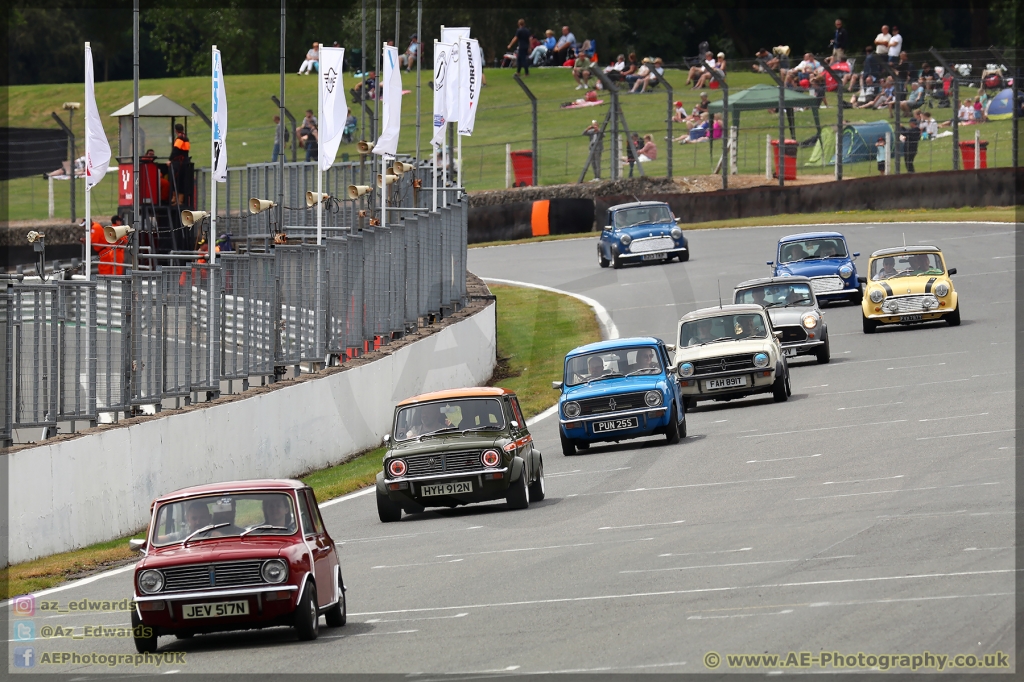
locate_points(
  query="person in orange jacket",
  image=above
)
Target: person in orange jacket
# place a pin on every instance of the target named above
(110, 259)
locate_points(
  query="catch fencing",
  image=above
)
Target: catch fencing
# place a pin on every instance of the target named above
(75, 349)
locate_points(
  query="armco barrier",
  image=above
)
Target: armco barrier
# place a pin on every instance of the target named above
(96, 486)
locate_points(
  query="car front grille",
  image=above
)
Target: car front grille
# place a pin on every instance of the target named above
(827, 284)
(651, 244)
(206, 576)
(443, 463)
(794, 334)
(728, 363)
(913, 303)
(613, 403)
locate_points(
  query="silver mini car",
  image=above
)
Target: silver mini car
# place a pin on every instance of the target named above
(793, 309)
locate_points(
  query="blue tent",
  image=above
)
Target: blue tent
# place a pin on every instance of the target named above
(1001, 106)
(858, 143)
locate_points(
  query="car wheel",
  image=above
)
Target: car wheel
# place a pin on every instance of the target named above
(518, 496)
(682, 427)
(307, 617)
(388, 510)
(601, 260)
(779, 388)
(616, 261)
(684, 256)
(870, 326)
(537, 490)
(337, 615)
(672, 430)
(823, 353)
(144, 645)
(789, 387)
(953, 319)
(568, 447)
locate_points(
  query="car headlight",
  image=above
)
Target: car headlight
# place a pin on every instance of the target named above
(876, 295)
(652, 398)
(571, 409)
(677, 234)
(761, 360)
(809, 321)
(274, 571)
(490, 458)
(625, 239)
(397, 468)
(686, 369)
(941, 289)
(845, 270)
(151, 581)
(783, 273)
(929, 303)
(890, 306)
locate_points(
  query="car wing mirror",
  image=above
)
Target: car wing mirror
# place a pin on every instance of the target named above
(862, 279)
(607, 228)
(137, 544)
(777, 335)
(670, 347)
(952, 271)
(514, 423)
(387, 438)
(769, 263)
(856, 254)
(557, 385)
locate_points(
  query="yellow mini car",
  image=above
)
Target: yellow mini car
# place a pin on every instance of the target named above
(908, 285)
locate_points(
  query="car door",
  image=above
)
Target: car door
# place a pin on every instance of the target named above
(524, 437)
(673, 383)
(313, 532)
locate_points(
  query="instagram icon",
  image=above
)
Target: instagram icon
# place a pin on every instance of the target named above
(24, 605)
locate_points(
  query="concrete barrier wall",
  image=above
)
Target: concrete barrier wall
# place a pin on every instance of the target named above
(98, 486)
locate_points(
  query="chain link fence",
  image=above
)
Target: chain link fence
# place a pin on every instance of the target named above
(77, 351)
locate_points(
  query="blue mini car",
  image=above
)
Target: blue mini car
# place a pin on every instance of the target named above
(619, 390)
(641, 231)
(823, 258)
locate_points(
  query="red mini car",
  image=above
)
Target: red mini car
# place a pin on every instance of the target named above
(236, 556)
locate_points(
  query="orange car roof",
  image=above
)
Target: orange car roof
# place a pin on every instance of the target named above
(454, 393)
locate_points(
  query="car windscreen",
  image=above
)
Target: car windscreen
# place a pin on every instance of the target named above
(447, 416)
(642, 215)
(777, 295)
(617, 362)
(224, 515)
(906, 265)
(722, 328)
(811, 249)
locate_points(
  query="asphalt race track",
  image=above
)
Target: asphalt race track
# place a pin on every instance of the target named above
(872, 513)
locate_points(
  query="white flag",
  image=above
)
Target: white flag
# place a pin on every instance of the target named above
(334, 109)
(451, 36)
(220, 121)
(441, 53)
(391, 96)
(98, 157)
(470, 80)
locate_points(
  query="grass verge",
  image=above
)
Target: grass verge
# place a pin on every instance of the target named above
(46, 572)
(535, 330)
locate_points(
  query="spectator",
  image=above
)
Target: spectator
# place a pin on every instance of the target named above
(910, 136)
(679, 112)
(411, 55)
(703, 104)
(880, 154)
(914, 100)
(697, 71)
(312, 61)
(350, 128)
(966, 112)
(371, 88)
(522, 42)
(979, 111)
(931, 126)
(587, 48)
(308, 121)
(882, 43)
(651, 79)
(782, 54)
(630, 159)
(640, 74)
(308, 137)
(277, 139)
(631, 66)
(593, 131)
(179, 162)
(871, 67)
(838, 43)
(895, 45)
(697, 131)
(614, 71)
(800, 77)
(768, 57)
(540, 53)
(903, 69)
(581, 72)
(649, 152)
(866, 96)
(565, 48)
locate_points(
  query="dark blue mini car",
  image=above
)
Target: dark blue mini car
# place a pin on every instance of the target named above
(641, 231)
(823, 258)
(618, 390)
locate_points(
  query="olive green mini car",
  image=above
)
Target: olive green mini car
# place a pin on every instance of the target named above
(456, 447)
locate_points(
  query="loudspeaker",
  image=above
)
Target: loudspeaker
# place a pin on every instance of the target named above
(115, 232)
(190, 218)
(314, 198)
(390, 179)
(399, 168)
(260, 205)
(364, 147)
(356, 191)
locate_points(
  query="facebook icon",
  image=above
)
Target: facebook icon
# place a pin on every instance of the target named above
(24, 657)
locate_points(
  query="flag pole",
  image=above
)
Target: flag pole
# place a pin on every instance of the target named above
(383, 160)
(319, 152)
(211, 244)
(88, 194)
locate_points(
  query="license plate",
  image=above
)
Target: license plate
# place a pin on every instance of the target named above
(454, 488)
(727, 382)
(652, 256)
(616, 425)
(789, 352)
(217, 610)
(910, 318)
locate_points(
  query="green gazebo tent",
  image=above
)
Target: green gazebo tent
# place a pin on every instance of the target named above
(762, 96)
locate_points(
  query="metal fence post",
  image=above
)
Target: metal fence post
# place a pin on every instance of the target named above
(533, 110)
